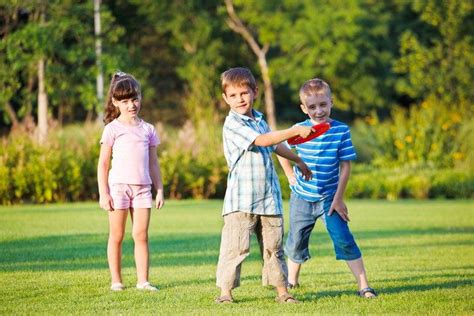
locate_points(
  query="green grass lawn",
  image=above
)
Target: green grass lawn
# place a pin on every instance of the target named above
(419, 256)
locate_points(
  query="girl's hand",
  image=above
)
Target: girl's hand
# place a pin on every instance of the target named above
(160, 200)
(106, 202)
(340, 207)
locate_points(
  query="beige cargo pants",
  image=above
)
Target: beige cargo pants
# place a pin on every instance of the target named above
(235, 247)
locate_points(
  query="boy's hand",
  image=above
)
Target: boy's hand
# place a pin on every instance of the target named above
(106, 202)
(305, 171)
(340, 207)
(160, 200)
(303, 131)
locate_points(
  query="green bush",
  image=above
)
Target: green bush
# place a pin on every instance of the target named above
(63, 169)
(193, 166)
(417, 183)
(429, 134)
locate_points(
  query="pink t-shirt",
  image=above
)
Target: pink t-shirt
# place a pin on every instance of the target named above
(130, 151)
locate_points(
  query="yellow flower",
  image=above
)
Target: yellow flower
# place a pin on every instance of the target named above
(371, 120)
(456, 117)
(445, 126)
(458, 156)
(399, 144)
(409, 139)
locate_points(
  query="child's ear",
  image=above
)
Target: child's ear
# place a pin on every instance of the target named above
(114, 102)
(255, 93)
(303, 108)
(225, 98)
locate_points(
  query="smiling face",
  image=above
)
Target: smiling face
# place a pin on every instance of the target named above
(317, 107)
(128, 108)
(240, 98)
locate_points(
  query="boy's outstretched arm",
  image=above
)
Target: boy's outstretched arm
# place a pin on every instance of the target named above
(276, 137)
(283, 154)
(338, 204)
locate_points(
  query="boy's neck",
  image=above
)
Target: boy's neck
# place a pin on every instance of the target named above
(250, 114)
(329, 120)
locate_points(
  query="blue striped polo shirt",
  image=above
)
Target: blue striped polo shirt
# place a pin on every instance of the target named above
(252, 182)
(322, 155)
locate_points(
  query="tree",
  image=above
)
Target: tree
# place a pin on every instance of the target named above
(437, 60)
(339, 42)
(52, 58)
(260, 50)
(98, 57)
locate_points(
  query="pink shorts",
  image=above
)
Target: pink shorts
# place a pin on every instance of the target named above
(127, 196)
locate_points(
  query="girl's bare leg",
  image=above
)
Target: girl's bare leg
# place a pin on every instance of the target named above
(141, 221)
(117, 222)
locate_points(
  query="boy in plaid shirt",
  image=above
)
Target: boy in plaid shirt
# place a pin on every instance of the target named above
(252, 202)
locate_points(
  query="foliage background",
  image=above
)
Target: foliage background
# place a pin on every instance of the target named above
(401, 73)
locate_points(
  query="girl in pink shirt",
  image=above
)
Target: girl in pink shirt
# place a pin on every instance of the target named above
(127, 185)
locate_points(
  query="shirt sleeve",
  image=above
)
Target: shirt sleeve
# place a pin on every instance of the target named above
(107, 136)
(153, 138)
(240, 135)
(346, 150)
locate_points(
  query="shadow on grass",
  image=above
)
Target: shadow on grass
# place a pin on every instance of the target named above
(312, 296)
(88, 251)
(79, 252)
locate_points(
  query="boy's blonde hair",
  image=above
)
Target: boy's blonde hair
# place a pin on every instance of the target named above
(239, 76)
(312, 87)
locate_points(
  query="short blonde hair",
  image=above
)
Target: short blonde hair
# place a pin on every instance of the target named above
(314, 86)
(239, 76)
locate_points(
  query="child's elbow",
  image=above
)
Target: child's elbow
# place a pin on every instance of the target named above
(262, 141)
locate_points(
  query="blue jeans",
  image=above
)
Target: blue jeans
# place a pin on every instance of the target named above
(303, 216)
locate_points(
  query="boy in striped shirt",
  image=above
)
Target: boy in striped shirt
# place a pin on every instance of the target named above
(328, 156)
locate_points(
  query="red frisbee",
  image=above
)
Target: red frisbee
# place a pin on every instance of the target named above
(319, 129)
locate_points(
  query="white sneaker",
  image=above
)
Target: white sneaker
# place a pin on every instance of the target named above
(146, 286)
(117, 287)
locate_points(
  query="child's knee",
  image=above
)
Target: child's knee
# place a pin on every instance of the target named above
(346, 248)
(140, 236)
(116, 237)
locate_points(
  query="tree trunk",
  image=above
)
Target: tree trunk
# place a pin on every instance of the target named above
(42, 104)
(11, 115)
(236, 24)
(98, 56)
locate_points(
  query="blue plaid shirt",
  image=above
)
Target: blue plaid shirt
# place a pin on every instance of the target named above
(252, 183)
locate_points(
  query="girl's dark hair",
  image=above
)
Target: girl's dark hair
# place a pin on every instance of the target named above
(122, 86)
